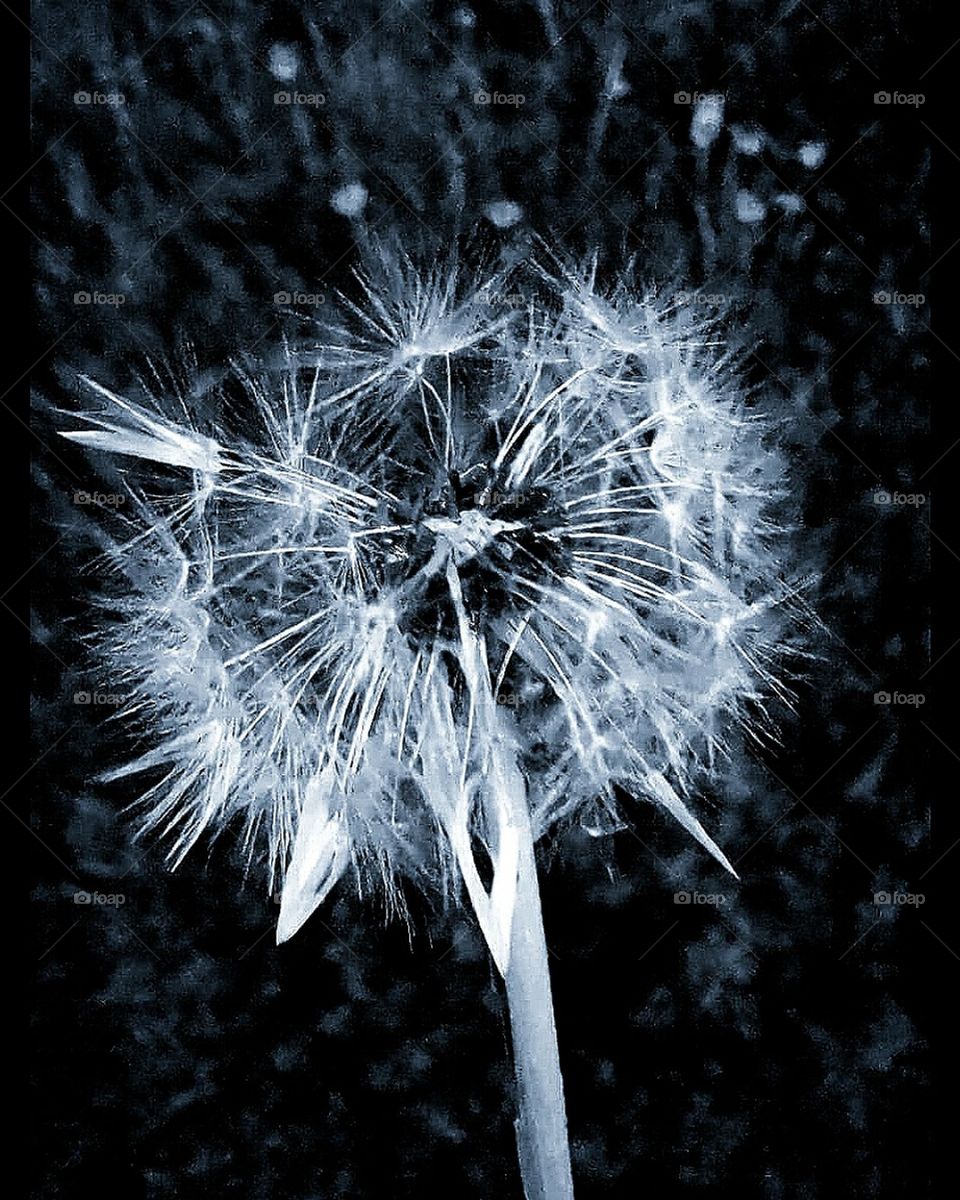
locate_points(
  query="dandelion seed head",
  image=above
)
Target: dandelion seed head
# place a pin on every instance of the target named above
(457, 553)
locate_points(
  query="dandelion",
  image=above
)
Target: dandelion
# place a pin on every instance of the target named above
(350, 562)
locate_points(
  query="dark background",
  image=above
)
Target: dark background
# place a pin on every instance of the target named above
(772, 1048)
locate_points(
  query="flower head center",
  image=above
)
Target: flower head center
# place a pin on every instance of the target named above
(470, 532)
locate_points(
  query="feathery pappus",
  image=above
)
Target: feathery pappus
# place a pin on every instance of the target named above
(446, 574)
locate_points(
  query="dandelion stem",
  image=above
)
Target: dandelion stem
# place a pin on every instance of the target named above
(542, 1120)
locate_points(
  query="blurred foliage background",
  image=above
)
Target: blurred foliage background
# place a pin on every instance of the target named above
(766, 1049)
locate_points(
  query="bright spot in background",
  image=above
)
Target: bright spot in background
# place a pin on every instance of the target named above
(707, 121)
(350, 200)
(618, 87)
(284, 63)
(504, 213)
(790, 202)
(812, 154)
(747, 139)
(750, 208)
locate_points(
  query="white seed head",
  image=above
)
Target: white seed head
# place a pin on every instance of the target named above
(441, 554)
